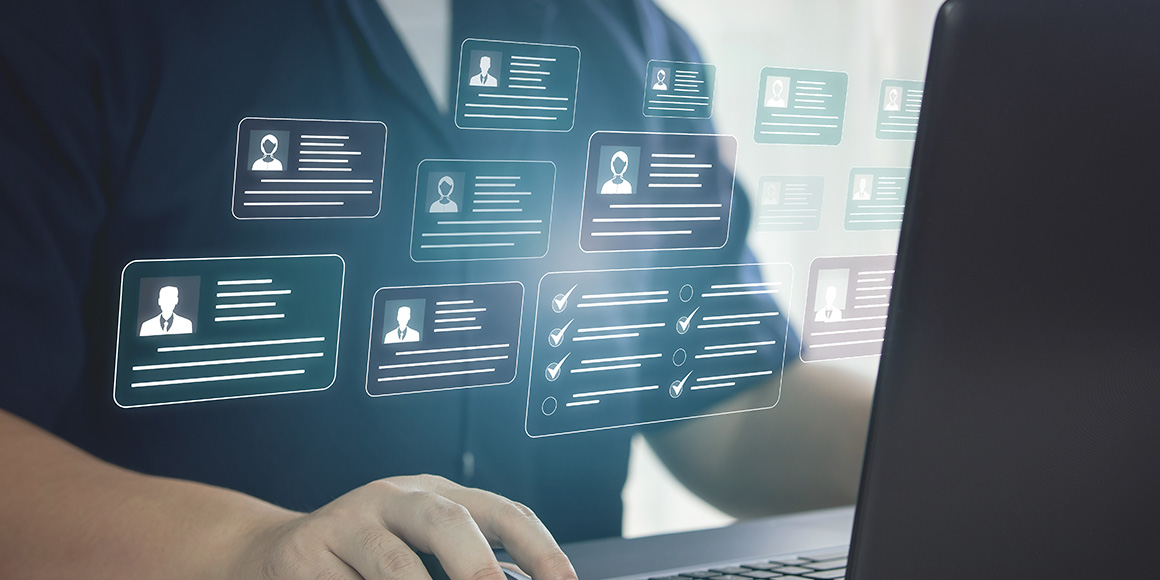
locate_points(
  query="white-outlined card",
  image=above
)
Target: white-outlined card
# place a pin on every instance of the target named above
(451, 336)
(482, 210)
(679, 89)
(308, 168)
(657, 191)
(614, 348)
(846, 304)
(800, 106)
(789, 203)
(516, 86)
(899, 104)
(876, 199)
(218, 328)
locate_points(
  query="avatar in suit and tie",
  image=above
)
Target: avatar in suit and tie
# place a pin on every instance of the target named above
(402, 333)
(168, 322)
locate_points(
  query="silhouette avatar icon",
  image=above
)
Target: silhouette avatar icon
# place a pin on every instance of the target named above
(861, 194)
(660, 85)
(168, 322)
(445, 204)
(267, 162)
(402, 333)
(830, 312)
(776, 95)
(892, 100)
(618, 184)
(483, 79)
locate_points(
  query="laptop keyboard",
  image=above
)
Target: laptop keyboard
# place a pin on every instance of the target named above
(815, 566)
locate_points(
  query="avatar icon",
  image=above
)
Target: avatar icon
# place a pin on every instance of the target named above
(776, 96)
(862, 193)
(830, 312)
(402, 332)
(445, 204)
(168, 322)
(267, 162)
(893, 100)
(483, 79)
(618, 184)
(660, 85)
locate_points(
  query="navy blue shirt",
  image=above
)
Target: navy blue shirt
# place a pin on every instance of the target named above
(117, 131)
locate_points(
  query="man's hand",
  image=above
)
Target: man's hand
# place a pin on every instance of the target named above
(372, 533)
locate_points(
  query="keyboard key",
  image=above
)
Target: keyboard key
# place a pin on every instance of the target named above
(827, 565)
(792, 561)
(730, 577)
(794, 570)
(668, 578)
(827, 575)
(761, 574)
(827, 556)
(730, 570)
(700, 574)
(763, 565)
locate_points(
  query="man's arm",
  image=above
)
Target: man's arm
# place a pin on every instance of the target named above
(805, 453)
(64, 513)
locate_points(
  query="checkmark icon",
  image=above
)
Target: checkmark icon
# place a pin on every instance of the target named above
(678, 387)
(556, 337)
(560, 302)
(554, 369)
(684, 321)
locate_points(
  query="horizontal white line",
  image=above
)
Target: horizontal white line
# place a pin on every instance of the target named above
(745, 285)
(853, 331)
(646, 233)
(532, 107)
(730, 353)
(605, 337)
(672, 109)
(656, 219)
(244, 282)
(444, 362)
(736, 316)
(662, 205)
(458, 328)
(679, 165)
(691, 175)
(872, 297)
(240, 344)
(712, 386)
(432, 375)
(738, 293)
(526, 117)
(461, 311)
(301, 160)
(740, 345)
(302, 152)
(488, 222)
(524, 97)
(325, 169)
(344, 137)
(454, 302)
(674, 155)
(308, 144)
(525, 79)
(736, 376)
(291, 203)
(790, 133)
(833, 117)
(799, 125)
(606, 368)
(478, 177)
(622, 303)
(873, 288)
(539, 58)
(318, 181)
(309, 191)
(245, 305)
(452, 349)
(615, 391)
(248, 317)
(625, 294)
(729, 324)
(492, 245)
(218, 378)
(847, 343)
(582, 403)
(622, 327)
(527, 87)
(861, 318)
(253, 293)
(230, 361)
(450, 320)
(596, 361)
(693, 185)
(454, 234)
(873, 272)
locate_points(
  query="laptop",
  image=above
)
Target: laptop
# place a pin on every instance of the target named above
(1015, 429)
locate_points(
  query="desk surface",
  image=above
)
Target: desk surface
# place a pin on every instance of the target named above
(612, 558)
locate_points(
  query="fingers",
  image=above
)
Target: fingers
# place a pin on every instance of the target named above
(514, 527)
(376, 553)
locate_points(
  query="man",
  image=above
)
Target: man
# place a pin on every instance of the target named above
(402, 332)
(483, 79)
(168, 322)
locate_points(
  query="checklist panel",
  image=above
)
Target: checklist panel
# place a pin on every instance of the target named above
(295, 168)
(482, 210)
(898, 107)
(679, 89)
(876, 198)
(789, 203)
(800, 106)
(846, 304)
(218, 328)
(624, 347)
(657, 191)
(435, 338)
(517, 86)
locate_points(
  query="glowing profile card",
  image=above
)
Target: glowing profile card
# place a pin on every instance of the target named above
(789, 204)
(800, 106)
(679, 89)
(218, 328)
(434, 338)
(846, 303)
(657, 191)
(899, 103)
(614, 348)
(482, 210)
(516, 86)
(876, 198)
(296, 168)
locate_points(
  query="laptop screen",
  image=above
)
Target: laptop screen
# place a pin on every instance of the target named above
(628, 264)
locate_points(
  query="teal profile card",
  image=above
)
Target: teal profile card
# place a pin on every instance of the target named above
(789, 203)
(899, 103)
(482, 210)
(876, 198)
(203, 329)
(679, 89)
(800, 106)
(516, 86)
